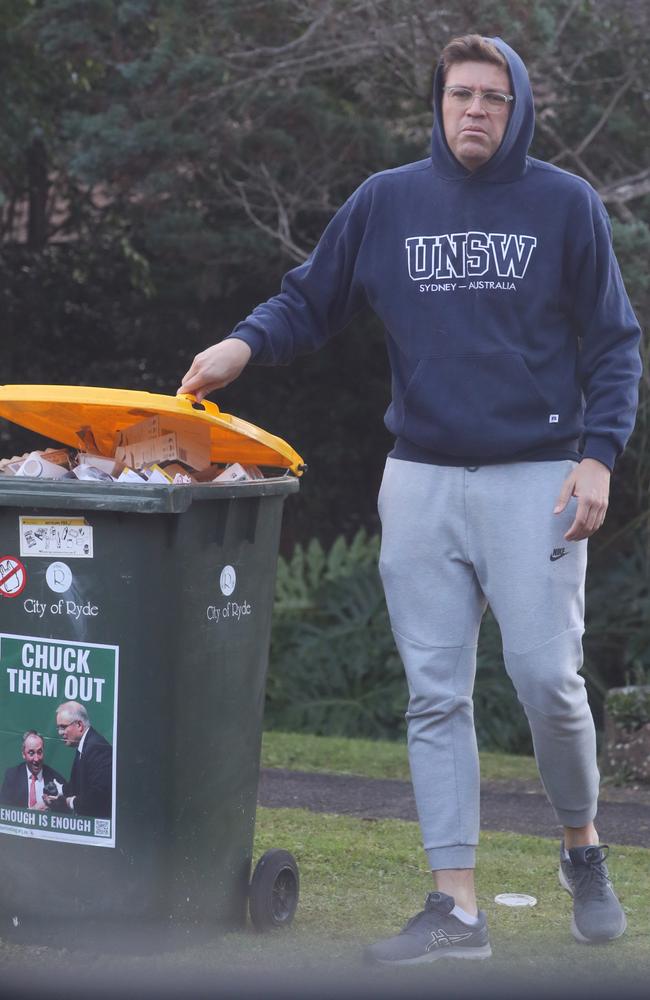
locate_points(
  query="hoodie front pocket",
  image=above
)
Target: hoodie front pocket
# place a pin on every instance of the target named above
(485, 405)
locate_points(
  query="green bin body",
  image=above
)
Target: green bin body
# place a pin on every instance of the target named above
(152, 607)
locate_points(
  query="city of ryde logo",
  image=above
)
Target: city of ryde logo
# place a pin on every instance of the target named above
(464, 260)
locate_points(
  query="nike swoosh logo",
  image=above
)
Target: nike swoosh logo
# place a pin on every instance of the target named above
(555, 558)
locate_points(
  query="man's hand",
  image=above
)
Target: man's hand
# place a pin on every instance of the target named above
(216, 367)
(589, 482)
(56, 803)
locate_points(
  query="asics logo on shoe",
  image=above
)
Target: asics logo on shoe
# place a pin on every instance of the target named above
(440, 939)
(557, 554)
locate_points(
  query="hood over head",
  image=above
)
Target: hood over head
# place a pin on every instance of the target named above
(509, 161)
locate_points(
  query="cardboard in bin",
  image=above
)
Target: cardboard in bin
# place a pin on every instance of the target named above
(59, 412)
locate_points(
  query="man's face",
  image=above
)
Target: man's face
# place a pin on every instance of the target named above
(33, 754)
(474, 135)
(70, 732)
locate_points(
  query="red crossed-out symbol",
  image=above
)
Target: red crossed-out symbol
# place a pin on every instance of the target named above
(13, 576)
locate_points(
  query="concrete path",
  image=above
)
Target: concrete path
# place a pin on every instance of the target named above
(510, 806)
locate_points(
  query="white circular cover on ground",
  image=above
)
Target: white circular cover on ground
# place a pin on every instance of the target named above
(515, 899)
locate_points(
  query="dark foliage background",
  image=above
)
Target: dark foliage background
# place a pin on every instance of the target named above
(163, 162)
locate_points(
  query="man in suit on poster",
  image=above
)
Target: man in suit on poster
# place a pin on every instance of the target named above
(89, 792)
(23, 784)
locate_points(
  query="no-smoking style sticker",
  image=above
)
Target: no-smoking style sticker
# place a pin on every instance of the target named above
(13, 576)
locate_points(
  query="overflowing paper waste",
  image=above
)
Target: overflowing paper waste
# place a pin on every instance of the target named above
(159, 439)
(158, 449)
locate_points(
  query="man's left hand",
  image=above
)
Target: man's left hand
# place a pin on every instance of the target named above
(589, 483)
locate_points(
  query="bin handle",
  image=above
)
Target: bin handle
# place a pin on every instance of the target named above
(205, 405)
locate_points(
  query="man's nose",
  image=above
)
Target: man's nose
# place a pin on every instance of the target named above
(475, 106)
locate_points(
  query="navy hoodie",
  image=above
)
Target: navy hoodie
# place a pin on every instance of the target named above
(509, 331)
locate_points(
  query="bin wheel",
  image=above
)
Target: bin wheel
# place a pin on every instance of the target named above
(273, 892)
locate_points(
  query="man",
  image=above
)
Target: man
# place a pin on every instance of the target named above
(23, 785)
(89, 792)
(515, 367)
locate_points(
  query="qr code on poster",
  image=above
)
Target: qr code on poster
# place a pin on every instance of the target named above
(102, 827)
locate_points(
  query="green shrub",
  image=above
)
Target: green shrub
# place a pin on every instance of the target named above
(629, 706)
(334, 666)
(617, 640)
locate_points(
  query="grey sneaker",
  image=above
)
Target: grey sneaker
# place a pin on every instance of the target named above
(597, 913)
(433, 933)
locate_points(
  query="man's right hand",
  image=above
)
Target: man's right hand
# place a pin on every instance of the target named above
(57, 803)
(215, 367)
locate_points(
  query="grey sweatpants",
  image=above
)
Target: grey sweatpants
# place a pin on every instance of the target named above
(454, 540)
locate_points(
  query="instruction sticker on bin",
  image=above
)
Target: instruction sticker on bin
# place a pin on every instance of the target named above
(56, 536)
(58, 728)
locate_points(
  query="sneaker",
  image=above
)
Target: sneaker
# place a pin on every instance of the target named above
(597, 913)
(433, 933)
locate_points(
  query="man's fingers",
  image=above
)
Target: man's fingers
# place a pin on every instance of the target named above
(189, 373)
(194, 373)
(574, 534)
(197, 386)
(590, 516)
(195, 368)
(565, 494)
(200, 389)
(195, 381)
(190, 383)
(589, 483)
(216, 367)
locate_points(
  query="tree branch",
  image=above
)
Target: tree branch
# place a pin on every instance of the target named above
(568, 14)
(566, 152)
(618, 203)
(627, 83)
(627, 188)
(281, 49)
(282, 233)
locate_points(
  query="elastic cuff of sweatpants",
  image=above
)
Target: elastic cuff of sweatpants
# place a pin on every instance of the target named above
(576, 817)
(455, 856)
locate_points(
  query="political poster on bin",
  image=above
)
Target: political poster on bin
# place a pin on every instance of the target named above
(58, 729)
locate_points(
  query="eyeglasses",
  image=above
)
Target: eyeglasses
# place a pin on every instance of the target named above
(62, 729)
(490, 100)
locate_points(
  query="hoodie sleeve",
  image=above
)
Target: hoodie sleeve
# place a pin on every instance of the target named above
(316, 299)
(609, 363)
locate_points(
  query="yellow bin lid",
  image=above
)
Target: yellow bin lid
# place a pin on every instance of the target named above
(60, 411)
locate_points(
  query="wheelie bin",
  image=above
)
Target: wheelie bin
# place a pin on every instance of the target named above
(149, 605)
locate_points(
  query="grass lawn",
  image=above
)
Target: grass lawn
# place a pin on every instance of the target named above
(372, 758)
(361, 880)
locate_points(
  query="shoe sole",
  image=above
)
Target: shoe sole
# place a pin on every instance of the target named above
(574, 929)
(473, 954)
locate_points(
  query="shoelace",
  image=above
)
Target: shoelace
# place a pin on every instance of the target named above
(414, 920)
(591, 879)
(418, 917)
